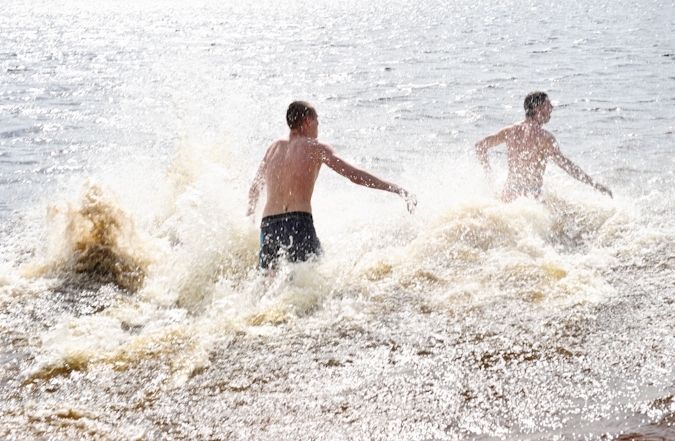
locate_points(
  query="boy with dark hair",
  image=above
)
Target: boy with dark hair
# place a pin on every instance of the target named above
(289, 170)
(529, 147)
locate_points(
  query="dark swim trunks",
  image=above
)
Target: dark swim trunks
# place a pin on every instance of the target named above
(290, 235)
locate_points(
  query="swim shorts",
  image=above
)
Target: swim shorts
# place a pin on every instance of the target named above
(512, 192)
(290, 235)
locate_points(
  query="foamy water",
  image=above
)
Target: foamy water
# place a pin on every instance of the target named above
(131, 306)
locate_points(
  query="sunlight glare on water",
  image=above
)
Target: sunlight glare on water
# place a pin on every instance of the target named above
(130, 301)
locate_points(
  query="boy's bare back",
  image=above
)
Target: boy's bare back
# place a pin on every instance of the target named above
(292, 169)
(528, 150)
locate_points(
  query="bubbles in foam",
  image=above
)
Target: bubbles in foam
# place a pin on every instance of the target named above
(208, 237)
(294, 292)
(481, 251)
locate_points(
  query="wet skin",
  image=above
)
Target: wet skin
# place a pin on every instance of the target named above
(529, 147)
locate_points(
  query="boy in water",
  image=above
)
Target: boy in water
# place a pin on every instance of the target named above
(289, 170)
(529, 147)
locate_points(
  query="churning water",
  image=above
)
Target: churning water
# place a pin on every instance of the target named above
(131, 307)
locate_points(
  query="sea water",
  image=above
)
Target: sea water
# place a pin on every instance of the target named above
(130, 302)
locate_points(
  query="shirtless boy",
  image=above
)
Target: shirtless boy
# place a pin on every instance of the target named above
(289, 170)
(529, 147)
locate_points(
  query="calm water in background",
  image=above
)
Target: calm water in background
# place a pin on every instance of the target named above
(129, 134)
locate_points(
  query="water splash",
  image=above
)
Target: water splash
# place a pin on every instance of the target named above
(93, 242)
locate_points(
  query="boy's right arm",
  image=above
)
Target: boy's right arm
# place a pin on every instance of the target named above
(572, 169)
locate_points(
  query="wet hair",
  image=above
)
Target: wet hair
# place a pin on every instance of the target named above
(532, 100)
(297, 112)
